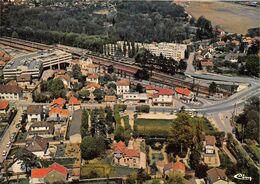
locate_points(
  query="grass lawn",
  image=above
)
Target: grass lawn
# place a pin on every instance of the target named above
(98, 168)
(163, 127)
(154, 127)
(126, 122)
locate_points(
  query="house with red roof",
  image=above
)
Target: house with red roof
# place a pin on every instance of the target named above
(177, 167)
(125, 156)
(74, 104)
(92, 78)
(184, 94)
(59, 102)
(210, 154)
(4, 106)
(57, 112)
(164, 97)
(55, 173)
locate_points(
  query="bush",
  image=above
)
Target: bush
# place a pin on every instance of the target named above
(143, 108)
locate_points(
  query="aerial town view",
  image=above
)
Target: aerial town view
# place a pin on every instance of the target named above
(129, 92)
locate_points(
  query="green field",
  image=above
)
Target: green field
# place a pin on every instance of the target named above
(163, 127)
(154, 127)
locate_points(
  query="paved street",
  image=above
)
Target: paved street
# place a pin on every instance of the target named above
(6, 137)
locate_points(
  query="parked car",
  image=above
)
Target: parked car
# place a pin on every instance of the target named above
(4, 153)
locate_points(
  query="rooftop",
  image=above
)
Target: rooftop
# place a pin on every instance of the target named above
(174, 166)
(3, 104)
(24, 78)
(43, 172)
(210, 140)
(37, 144)
(216, 174)
(10, 89)
(34, 109)
(183, 91)
(123, 82)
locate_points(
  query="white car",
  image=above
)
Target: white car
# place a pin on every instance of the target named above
(4, 153)
(8, 144)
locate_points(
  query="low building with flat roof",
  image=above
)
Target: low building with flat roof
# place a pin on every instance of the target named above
(35, 62)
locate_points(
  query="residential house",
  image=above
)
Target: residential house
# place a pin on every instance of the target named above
(91, 87)
(92, 78)
(59, 102)
(74, 128)
(135, 97)
(177, 167)
(122, 86)
(42, 128)
(184, 94)
(151, 90)
(34, 113)
(4, 106)
(88, 65)
(210, 155)
(74, 104)
(125, 156)
(206, 64)
(24, 81)
(38, 146)
(164, 97)
(64, 77)
(217, 176)
(59, 113)
(10, 92)
(55, 173)
(110, 99)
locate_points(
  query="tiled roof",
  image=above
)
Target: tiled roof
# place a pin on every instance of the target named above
(216, 174)
(206, 63)
(74, 101)
(93, 84)
(110, 98)
(37, 144)
(123, 82)
(183, 91)
(131, 153)
(93, 76)
(174, 166)
(58, 101)
(120, 146)
(210, 140)
(152, 88)
(61, 112)
(165, 91)
(34, 109)
(10, 89)
(43, 172)
(3, 104)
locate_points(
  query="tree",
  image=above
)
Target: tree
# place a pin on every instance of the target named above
(84, 94)
(201, 170)
(15, 34)
(84, 123)
(110, 69)
(92, 147)
(182, 133)
(56, 87)
(142, 176)
(182, 65)
(175, 178)
(76, 73)
(109, 119)
(99, 94)
(212, 88)
(143, 108)
(142, 74)
(139, 88)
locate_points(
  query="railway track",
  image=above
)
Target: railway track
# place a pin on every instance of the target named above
(119, 66)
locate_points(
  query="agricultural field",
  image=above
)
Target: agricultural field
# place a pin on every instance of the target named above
(231, 17)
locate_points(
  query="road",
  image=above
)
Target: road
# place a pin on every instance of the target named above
(6, 137)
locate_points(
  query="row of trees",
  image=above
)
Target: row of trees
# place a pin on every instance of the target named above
(94, 133)
(150, 62)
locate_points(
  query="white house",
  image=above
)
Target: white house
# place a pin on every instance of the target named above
(38, 146)
(74, 104)
(135, 97)
(92, 78)
(122, 86)
(43, 129)
(34, 113)
(10, 92)
(164, 97)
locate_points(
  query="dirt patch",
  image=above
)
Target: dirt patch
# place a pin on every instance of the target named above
(229, 16)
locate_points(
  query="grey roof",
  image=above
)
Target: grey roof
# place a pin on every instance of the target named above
(216, 174)
(34, 109)
(75, 123)
(37, 144)
(10, 89)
